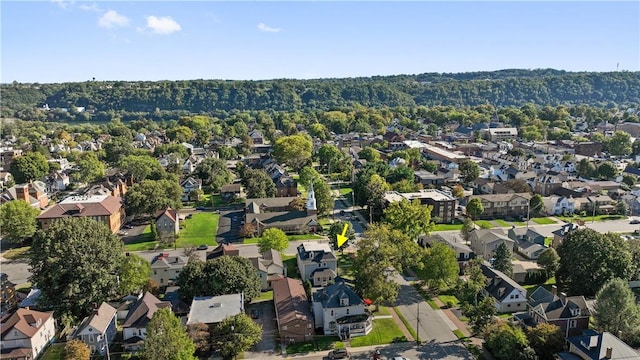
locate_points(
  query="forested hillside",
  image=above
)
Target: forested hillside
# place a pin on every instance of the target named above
(498, 88)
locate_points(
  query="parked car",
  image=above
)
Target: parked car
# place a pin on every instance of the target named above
(202, 247)
(339, 354)
(634, 221)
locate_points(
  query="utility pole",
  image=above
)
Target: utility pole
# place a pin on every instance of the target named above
(106, 343)
(418, 325)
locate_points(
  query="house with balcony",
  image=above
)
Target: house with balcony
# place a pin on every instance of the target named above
(570, 313)
(316, 262)
(98, 329)
(338, 310)
(25, 334)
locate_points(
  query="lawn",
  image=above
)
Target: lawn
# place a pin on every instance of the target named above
(591, 218)
(54, 352)
(345, 266)
(543, 221)
(382, 310)
(345, 191)
(255, 240)
(449, 298)
(384, 331)
(446, 227)
(200, 229)
(484, 224)
(321, 343)
(17, 253)
(502, 223)
(142, 242)
(264, 296)
(292, 266)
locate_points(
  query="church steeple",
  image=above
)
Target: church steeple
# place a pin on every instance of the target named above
(311, 200)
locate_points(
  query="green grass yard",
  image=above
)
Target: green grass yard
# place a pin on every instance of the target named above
(17, 253)
(255, 240)
(543, 221)
(384, 331)
(321, 343)
(54, 352)
(591, 218)
(142, 242)
(446, 227)
(449, 298)
(502, 223)
(484, 224)
(200, 229)
(382, 310)
(264, 296)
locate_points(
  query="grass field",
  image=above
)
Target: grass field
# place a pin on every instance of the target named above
(502, 223)
(143, 242)
(484, 224)
(54, 352)
(543, 221)
(17, 253)
(382, 310)
(345, 266)
(384, 331)
(292, 266)
(321, 343)
(591, 218)
(200, 229)
(264, 296)
(446, 227)
(254, 240)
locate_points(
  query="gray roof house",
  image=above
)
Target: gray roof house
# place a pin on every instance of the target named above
(98, 329)
(507, 294)
(269, 267)
(340, 311)
(485, 241)
(314, 256)
(213, 309)
(598, 346)
(134, 327)
(529, 242)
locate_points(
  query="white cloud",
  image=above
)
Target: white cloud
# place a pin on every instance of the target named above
(62, 3)
(263, 27)
(93, 7)
(162, 25)
(111, 19)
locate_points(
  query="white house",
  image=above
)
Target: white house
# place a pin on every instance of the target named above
(559, 205)
(26, 334)
(134, 327)
(508, 295)
(316, 257)
(338, 310)
(188, 185)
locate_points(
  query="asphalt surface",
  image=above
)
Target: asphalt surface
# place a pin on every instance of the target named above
(228, 226)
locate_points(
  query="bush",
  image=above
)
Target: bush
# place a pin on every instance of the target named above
(537, 277)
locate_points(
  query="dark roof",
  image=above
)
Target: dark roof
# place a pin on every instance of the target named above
(330, 296)
(283, 218)
(595, 346)
(290, 301)
(499, 285)
(555, 307)
(142, 311)
(314, 256)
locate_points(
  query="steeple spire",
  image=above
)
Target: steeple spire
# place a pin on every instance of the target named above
(311, 200)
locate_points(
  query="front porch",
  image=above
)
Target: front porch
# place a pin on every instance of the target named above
(354, 325)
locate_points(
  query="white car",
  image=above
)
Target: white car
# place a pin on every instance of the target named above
(400, 358)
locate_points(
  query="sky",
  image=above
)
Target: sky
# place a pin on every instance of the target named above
(63, 41)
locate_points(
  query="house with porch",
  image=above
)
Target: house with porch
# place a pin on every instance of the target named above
(338, 310)
(98, 329)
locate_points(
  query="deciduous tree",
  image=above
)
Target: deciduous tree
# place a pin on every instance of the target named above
(324, 200)
(214, 173)
(616, 310)
(76, 349)
(411, 218)
(150, 196)
(236, 334)
(620, 144)
(90, 168)
(31, 166)
(502, 259)
(336, 228)
(141, 167)
(167, 338)
(134, 273)
(440, 265)
(469, 171)
(589, 259)
(508, 342)
(258, 184)
(475, 208)
(273, 238)
(467, 227)
(293, 150)
(607, 171)
(546, 340)
(536, 205)
(18, 221)
(75, 264)
(199, 334)
(549, 261)
(479, 315)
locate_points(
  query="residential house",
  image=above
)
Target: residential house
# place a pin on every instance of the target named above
(190, 185)
(6, 157)
(178, 307)
(546, 184)
(587, 148)
(98, 329)
(223, 250)
(106, 209)
(5, 179)
(190, 164)
(484, 242)
(338, 310)
(293, 311)
(270, 268)
(26, 333)
(443, 203)
(559, 205)
(312, 259)
(508, 296)
(212, 310)
(134, 326)
(256, 136)
(165, 268)
(504, 205)
(231, 192)
(34, 193)
(8, 299)
(167, 223)
(592, 345)
(571, 314)
(528, 242)
(56, 181)
(454, 240)
(427, 178)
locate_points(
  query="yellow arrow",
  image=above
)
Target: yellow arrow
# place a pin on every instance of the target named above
(341, 237)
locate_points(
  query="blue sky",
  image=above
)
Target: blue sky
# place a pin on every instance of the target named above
(59, 41)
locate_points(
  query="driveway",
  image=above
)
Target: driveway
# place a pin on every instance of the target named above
(267, 319)
(228, 226)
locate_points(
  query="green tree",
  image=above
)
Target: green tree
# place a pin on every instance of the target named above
(258, 184)
(536, 204)
(469, 171)
(629, 180)
(235, 335)
(293, 150)
(480, 315)
(118, 148)
(381, 252)
(329, 158)
(586, 169)
(133, 274)
(75, 264)
(220, 276)
(508, 342)
(167, 338)
(369, 154)
(324, 200)
(616, 310)
(546, 340)
(502, 259)
(589, 259)
(274, 239)
(467, 227)
(180, 134)
(31, 166)
(141, 167)
(468, 291)
(411, 218)
(306, 174)
(458, 191)
(440, 265)
(375, 191)
(18, 221)
(475, 208)
(607, 171)
(336, 228)
(90, 169)
(620, 144)
(214, 173)
(549, 261)
(76, 349)
(622, 208)
(150, 196)
(634, 247)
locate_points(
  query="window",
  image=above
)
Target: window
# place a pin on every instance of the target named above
(517, 296)
(508, 305)
(308, 326)
(331, 312)
(347, 311)
(511, 297)
(573, 324)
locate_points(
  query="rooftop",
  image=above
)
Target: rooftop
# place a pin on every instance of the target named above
(214, 309)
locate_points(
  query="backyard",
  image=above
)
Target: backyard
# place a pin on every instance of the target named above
(54, 352)
(199, 230)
